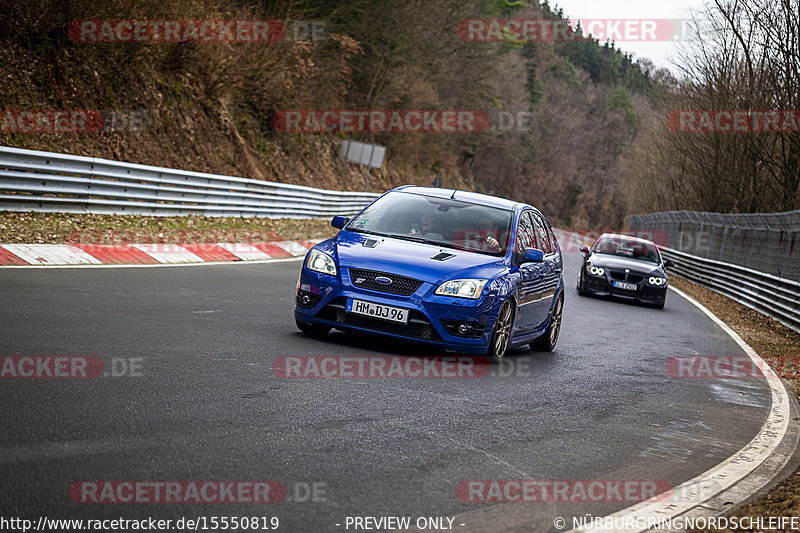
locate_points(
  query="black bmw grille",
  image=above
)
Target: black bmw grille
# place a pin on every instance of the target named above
(365, 279)
(621, 276)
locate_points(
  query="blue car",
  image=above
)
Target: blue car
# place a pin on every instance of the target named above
(467, 272)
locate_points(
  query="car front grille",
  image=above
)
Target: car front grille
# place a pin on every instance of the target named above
(418, 326)
(620, 275)
(400, 285)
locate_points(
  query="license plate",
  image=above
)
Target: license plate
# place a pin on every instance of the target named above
(625, 286)
(386, 312)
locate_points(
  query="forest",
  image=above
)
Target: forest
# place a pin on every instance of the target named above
(579, 128)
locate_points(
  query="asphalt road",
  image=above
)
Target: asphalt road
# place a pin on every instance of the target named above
(205, 404)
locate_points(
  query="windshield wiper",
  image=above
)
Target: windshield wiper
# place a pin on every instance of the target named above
(450, 245)
(367, 232)
(417, 239)
(398, 236)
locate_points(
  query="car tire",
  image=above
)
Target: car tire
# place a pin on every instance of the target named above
(663, 303)
(581, 292)
(318, 330)
(501, 335)
(547, 341)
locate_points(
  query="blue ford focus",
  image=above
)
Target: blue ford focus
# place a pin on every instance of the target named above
(468, 272)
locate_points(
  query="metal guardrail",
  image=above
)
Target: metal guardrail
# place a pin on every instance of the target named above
(778, 298)
(31, 180)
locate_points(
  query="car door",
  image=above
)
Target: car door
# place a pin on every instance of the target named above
(551, 268)
(532, 280)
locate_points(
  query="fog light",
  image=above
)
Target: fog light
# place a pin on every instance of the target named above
(305, 299)
(463, 329)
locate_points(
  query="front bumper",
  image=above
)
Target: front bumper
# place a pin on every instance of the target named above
(644, 293)
(433, 319)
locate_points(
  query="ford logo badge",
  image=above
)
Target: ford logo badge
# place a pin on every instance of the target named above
(383, 280)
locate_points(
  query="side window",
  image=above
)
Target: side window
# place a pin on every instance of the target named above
(553, 241)
(542, 236)
(526, 235)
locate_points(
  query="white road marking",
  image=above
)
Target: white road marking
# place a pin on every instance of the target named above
(159, 265)
(245, 252)
(700, 489)
(169, 253)
(293, 247)
(51, 254)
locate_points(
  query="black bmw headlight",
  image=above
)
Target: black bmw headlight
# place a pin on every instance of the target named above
(595, 271)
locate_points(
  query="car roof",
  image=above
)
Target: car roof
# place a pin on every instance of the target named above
(622, 236)
(464, 196)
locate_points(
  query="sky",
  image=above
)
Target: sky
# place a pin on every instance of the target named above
(663, 53)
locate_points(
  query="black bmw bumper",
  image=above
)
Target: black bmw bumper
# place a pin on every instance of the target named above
(644, 292)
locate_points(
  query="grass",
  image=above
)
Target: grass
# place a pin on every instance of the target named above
(62, 228)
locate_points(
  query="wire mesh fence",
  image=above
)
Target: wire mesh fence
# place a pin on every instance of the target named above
(765, 242)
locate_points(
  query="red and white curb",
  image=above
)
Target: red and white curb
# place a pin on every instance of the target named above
(144, 254)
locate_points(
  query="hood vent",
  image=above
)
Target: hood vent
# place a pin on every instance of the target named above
(443, 256)
(370, 243)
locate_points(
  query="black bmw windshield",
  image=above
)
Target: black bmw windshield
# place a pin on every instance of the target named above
(440, 221)
(627, 248)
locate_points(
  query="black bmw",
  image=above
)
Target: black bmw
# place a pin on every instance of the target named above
(624, 267)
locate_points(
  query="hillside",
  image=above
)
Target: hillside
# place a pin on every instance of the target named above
(210, 106)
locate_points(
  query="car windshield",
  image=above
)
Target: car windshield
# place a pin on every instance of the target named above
(441, 221)
(628, 248)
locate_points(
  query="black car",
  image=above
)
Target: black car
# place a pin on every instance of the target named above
(624, 267)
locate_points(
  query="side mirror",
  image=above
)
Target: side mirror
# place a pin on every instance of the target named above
(584, 249)
(534, 255)
(668, 263)
(339, 221)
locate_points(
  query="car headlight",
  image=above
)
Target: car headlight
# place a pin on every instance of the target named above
(596, 271)
(657, 280)
(321, 262)
(462, 288)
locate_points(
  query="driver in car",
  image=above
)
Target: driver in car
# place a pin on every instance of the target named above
(488, 235)
(424, 227)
